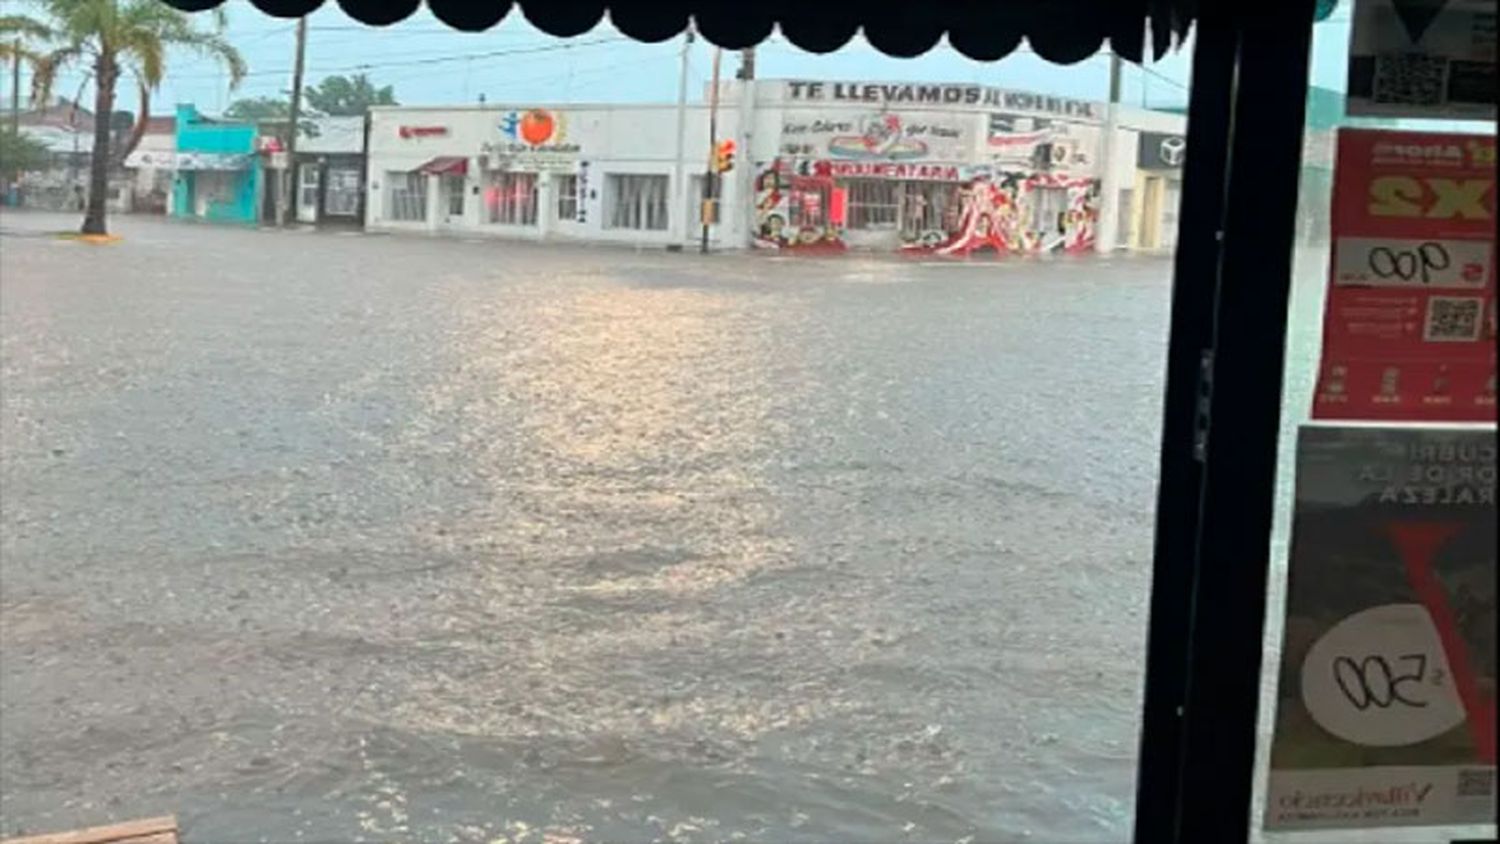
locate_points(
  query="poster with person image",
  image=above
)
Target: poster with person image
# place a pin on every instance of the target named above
(1385, 710)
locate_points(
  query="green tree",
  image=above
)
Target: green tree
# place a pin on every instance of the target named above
(259, 108)
(347, 95)
(19, 153)
(18, 37)
(112, 37)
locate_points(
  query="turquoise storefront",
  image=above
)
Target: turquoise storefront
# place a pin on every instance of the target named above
(219, 174)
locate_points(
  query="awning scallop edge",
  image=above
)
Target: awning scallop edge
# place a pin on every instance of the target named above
(1061, 31)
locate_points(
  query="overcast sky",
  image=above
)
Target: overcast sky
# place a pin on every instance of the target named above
(514, 63)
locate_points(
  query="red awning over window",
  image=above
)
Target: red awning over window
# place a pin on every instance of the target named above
(445, 165)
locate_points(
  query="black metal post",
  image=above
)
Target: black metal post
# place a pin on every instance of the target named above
(1206, 795)
(1180, 472)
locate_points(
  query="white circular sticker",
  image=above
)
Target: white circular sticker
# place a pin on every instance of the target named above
(1380, 678)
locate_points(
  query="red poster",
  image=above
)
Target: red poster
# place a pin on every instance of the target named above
(1409, 327)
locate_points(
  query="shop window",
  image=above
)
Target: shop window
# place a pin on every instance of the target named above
(407, 196)
(567, 197)
(342, 196)
(873, 203)
(635, 201)
(215, 187)
(510, 199)
(453, 189)
(1048, 205)
(928, 207)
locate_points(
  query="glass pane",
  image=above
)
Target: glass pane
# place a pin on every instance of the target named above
(838, 532)
(1353, 592)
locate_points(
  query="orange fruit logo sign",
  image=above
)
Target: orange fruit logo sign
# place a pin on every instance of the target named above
(537, 126)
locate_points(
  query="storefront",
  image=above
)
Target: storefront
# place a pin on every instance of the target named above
(597, 173)
(951, 169)
(329, 184)
(1156, 192)
(944, 168)
(218, 173)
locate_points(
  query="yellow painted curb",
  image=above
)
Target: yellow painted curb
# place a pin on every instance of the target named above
(96, 239)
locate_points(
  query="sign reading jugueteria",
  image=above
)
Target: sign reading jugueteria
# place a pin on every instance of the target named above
(1385, 711)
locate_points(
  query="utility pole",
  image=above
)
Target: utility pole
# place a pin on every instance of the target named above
(713, 142)
(679, 169)
(747, 65)
(741, 221)
(289, 175)
(15, 88)
(1109, 188)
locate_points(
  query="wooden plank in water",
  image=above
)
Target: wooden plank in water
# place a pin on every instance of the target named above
(146, 831)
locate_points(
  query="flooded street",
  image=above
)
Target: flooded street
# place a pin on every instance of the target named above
(322, 537)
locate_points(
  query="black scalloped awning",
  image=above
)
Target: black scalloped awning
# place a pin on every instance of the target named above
(1062, 31)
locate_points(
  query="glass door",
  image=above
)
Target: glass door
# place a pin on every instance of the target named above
(308, 179)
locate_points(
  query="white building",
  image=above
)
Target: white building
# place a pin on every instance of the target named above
(151, 165)
(820, 165)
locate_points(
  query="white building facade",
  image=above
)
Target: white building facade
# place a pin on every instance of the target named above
(950, 169)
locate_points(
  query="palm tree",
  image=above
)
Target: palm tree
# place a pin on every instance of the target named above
(112, 37)
(17, 32)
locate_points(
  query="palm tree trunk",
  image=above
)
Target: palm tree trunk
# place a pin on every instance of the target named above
(104, 108)
(137, 131)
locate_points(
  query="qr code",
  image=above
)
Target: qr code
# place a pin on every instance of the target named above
(1410, 79)
(1479, 782)
(1453, 319)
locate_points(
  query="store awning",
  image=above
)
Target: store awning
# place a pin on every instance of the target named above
(445, 165)
(1062, 31)
(166, 160)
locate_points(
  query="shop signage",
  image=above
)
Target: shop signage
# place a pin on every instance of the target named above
(891, 170)
(1039, 143)
(534, 139)
(190, 160)
(1015, 138)
(1423, 58)
(1159, 151)
(1409, 325)
(904, 93)
(1385, 711)
(879, 136)
(422, 131)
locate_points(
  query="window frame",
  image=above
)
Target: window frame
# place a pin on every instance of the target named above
(637, 202)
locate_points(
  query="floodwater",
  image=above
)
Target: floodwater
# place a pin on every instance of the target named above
(321, 537)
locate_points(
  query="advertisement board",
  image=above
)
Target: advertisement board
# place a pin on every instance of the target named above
(1421, 58)
(1385, 710)
(876, 136)
(1409, 324)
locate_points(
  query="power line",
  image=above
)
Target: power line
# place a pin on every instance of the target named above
(1163, 77)
(489, 54)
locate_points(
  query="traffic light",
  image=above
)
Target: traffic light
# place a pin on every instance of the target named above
(724, 156)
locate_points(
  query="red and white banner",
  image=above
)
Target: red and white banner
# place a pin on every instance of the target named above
(1409, 326)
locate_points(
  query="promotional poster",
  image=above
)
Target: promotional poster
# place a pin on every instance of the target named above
(1420, 58)
(1385, 711)
(1409, 324)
